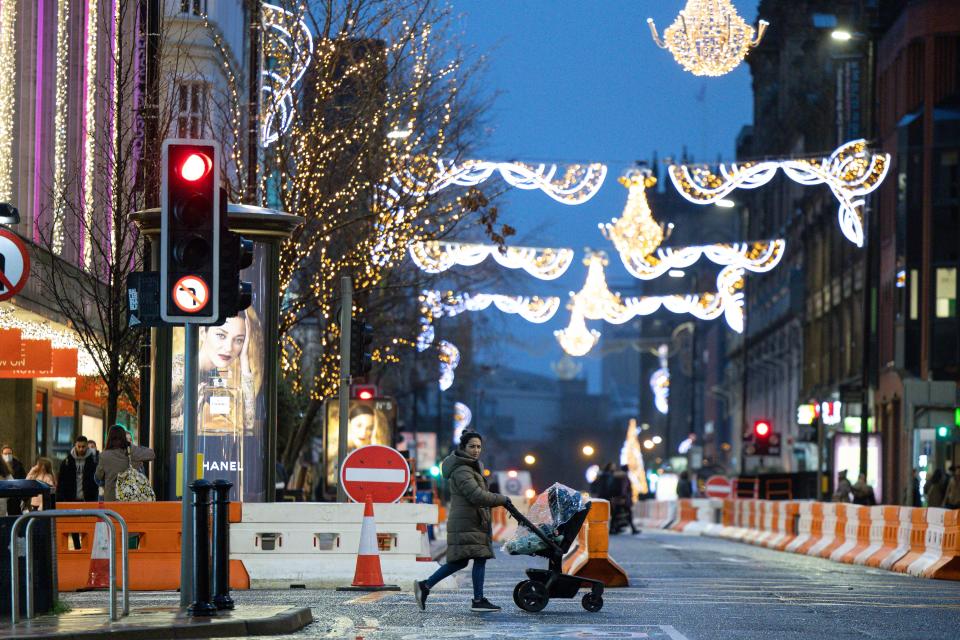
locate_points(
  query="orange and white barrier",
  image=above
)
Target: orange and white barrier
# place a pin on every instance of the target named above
(504, 527)
(590, 557)
(655, 514)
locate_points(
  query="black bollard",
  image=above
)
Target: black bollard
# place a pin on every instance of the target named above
(201, 550)
(221, 544)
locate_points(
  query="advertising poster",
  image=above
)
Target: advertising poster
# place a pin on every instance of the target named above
(231, 406)
(370, 422)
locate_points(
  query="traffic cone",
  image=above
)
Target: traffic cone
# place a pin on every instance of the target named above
(368, 576)
(425, 555)
(99, 575)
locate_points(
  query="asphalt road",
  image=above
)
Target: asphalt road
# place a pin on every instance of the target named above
(682, 587)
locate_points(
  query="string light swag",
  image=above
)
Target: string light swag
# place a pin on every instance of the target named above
(660, 382)
(852, 172)
(290, 43)
(544, 264)
(635, 234)
(576, 185)
(757, 257)
(576, 340)
(434, 304)
(708, 38)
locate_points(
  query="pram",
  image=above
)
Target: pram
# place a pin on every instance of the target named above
(534, 593)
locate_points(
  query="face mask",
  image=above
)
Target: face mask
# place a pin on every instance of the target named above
(8, 457)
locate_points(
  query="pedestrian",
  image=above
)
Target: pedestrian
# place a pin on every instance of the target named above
(911, 493)
(684, 488)
(6, 473)
(626, 498)
(863, 492)
(469, 523)
(935, 489)
(42, 471)
(96, 454)
(844, 489)
(951, 499)
(118, 456)
(75, 479)
(19, 471)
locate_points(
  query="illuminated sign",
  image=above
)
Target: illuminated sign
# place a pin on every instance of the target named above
(806, 413)
(830, 412)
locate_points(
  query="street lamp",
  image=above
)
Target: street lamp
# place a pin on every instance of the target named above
(657, 439)
(841, 35)
(648, 444)
(587, 450)
(530, 459)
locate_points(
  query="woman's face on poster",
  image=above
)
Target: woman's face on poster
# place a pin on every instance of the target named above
(223, 344)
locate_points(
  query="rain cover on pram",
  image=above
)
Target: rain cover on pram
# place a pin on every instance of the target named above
(551, 509)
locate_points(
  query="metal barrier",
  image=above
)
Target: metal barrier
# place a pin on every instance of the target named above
(102, 514)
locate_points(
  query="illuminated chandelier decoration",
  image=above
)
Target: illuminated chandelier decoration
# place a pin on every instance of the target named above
(660, 382)
(758, 257)
(852, 172)
(291, 41)
(709, 38)
(576, 340)
(449, 361)
(635, 234)
(433, 305)
(544, 264)
(577, 184)
(595, 301)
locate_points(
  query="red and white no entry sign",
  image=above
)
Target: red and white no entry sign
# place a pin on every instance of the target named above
(190, 294)
(375, 470)
(14, 264)
(718, 487)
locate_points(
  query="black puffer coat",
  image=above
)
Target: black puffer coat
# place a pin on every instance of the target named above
(469, 527)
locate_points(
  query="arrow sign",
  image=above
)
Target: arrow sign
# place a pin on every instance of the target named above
(375, 470)
(190, 294)
(14, 264)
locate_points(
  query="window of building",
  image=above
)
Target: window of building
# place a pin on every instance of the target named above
(946, 292)
(191, 106)
(914, 293)
(193, 7)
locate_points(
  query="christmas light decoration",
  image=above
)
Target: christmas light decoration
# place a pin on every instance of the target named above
(461, 416)
(577, 185)
(434, 304)
(449, 361)
(660, 382)
(544, 264)
(595, 301)
(635, 233)
(282, 30)
(13, 318)
(89, 128)
(61, 114)
(708, 38)
(851, 171)
(8, 76)
(576, 340)
(758, 257)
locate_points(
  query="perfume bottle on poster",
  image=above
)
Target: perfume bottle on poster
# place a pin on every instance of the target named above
(221, 406)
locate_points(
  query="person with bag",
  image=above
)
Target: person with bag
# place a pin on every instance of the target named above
(42, 471)
(120, 469)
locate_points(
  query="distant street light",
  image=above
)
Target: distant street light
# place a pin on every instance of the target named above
(657, 439)
(648, 444)
(529, 458)
(842, 35)
(587, 450)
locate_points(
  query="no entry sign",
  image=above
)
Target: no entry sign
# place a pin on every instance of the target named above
(14, 264)
(717, 487)
(375, 470)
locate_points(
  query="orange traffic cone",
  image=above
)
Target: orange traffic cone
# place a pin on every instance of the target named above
(425, 555)
(368, 576)
(99, 576)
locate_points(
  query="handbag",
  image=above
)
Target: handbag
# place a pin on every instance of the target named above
(133, 486)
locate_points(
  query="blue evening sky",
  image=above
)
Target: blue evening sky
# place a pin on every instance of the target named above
(584, 81)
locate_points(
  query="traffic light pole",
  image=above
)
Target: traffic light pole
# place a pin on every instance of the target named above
(189, 465)
(346, 315)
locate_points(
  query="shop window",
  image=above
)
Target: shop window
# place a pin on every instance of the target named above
(63, 427)
(914, 293)
(946, 293)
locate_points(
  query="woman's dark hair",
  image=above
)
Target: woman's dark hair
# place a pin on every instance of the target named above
(116, 438)
(467, 437)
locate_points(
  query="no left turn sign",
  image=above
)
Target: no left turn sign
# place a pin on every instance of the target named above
(191, 294)
(14, 264)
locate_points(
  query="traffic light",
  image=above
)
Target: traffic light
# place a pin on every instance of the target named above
(236, 254)
(190, 231)
(361, 338)
(364, 391)
(765, 441)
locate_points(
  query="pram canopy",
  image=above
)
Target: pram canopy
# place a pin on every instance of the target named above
(549, 512)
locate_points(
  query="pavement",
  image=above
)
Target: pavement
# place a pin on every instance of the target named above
(682, 588)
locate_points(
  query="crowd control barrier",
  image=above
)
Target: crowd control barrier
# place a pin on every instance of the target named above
(153, 542)
(923, 542)
(589, 557)
(314, 545)
(655, 514)
(504, 527)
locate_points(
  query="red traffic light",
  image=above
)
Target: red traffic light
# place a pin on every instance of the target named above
(761, 428)
(365, 394)
(195, 166)
(364, 391)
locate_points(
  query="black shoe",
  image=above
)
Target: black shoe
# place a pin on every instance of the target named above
(420, 592)
(483, 605)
